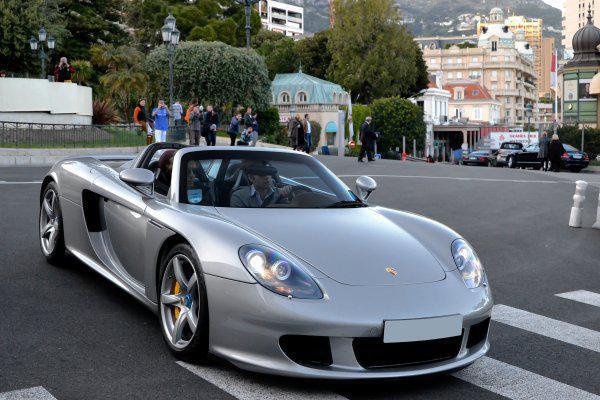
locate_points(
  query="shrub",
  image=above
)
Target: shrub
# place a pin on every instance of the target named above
(268, 121)
(395, 117)
(315, 134)
(104, 113)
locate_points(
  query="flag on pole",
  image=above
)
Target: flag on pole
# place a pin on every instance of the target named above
(553, 80)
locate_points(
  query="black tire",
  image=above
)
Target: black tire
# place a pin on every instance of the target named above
(510, 162)
(197, 348)
(56, 255)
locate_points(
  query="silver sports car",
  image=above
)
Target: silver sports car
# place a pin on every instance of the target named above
(265, 258)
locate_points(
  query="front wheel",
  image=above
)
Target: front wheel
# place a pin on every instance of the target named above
(52, 240)
(511, 163)
(183, 304)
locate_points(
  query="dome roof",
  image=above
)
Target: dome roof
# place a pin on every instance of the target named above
(587, 38)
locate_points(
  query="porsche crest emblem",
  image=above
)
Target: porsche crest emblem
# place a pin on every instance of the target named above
(392, 271)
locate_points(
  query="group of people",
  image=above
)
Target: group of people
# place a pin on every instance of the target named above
(197, 121)
(300, 133)
(550, 153)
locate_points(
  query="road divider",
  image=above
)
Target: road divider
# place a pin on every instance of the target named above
(578, 200)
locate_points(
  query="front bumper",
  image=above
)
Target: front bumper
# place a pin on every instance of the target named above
(248, 321)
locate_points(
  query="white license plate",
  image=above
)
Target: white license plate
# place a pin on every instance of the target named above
(472, 158)
(577, 156)
(413, 330)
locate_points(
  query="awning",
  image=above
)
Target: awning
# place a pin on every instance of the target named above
(331, 127)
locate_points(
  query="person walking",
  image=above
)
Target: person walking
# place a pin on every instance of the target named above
(301, 139)
(161, 116)
(367, 136)
(211, 123)
(139, 118)
(234, 128)
(63, 71)
(543, 151)
(307, 133)
(555, 152)
(195, 126)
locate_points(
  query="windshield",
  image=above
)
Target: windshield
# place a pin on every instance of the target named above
(532, 148)
(261, 179)
(511, 146)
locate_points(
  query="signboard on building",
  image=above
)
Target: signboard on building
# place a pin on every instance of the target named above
(497, 138)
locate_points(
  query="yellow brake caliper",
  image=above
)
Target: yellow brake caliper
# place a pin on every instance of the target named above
(176, 290)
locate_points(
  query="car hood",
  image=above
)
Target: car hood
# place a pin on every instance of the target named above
(355, 246)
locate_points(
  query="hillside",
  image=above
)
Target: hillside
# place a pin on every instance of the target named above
(444, 17)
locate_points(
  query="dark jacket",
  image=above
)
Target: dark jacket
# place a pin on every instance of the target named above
(196, 120)
(210, 118)
(234, 126)
(248, 120)
(555, 150)
(367, 134)
(543, 152)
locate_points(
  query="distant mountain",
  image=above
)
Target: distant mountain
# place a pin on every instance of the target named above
(444, 17)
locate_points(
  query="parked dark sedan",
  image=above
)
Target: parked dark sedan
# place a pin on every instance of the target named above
(481, 158)
(573, 160)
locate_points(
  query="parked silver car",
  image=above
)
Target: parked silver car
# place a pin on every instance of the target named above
(265, 258)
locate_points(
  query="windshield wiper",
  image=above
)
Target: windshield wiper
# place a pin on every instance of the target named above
(347, 204)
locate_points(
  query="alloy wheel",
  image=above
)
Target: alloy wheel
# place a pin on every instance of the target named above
(49, 222)
(180, 301)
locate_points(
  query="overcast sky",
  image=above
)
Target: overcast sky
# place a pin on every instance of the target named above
(555, 3)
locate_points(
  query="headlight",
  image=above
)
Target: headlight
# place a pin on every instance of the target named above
(277, 273)
(468, 264)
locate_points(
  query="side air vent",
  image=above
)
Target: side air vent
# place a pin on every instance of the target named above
(91, 210)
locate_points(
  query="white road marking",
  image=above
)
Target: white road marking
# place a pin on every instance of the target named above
(518, 384)
(454, 178)
(34, 393)
(552, 328)
(20, 183)
(244, 388)
(582, 296)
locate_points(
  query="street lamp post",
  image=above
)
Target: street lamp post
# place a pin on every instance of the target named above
(529, 112)
(248, 5)
(170, 37)
(38, 45)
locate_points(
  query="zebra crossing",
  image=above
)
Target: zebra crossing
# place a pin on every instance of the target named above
(496, 376)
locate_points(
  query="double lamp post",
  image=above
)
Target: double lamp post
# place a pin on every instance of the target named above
(38, 45)
(170, 37)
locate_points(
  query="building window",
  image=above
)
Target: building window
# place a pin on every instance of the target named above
(494, 74)
(507, 113)
(476, 92)
(494, 59)
(477, 113)
(459, 75)
(450, 75)
(507, 74)
(494, 46)
(474, 59)
(507, 58)
(284, 97)
(303, 97)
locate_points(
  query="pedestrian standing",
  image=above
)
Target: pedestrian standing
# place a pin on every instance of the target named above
(367, 137)
(248, 119)
(543, 151)
(177, 113)
(300, 133)
(555, 152)
(211, 123)
(195, 126)
(293, 133)
(234, 128)
(307, 133)
(161, 116)
(140, 117)
(254, 130)
(63, 71)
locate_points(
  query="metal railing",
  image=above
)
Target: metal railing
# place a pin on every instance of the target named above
(36, 135)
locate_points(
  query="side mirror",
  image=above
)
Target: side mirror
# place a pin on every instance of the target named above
(365, 185)
(141, 179)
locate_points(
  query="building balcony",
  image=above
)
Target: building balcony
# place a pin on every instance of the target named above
(295, 19)
(507, 92)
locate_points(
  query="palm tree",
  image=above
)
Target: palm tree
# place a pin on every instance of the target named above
(124, 80)
(83, 71)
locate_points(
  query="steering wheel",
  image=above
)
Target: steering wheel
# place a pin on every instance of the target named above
(297, 190)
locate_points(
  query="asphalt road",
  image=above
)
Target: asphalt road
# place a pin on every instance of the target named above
(66, 333)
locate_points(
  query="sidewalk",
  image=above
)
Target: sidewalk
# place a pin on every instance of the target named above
(47, 157)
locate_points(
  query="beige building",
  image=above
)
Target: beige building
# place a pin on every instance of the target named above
(471, 101)
(574, 14)
(544, 82)
(501, 63)
(532, 31)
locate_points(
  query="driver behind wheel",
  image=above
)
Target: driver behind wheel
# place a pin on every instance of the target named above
(261, 192)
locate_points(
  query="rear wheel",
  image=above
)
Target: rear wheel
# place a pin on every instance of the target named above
(183, 304)
(52, 240)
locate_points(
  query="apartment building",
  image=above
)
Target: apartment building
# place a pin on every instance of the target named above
(500, 63)
(470, 100)
(574, 14)
(282, 17)
(531, 29)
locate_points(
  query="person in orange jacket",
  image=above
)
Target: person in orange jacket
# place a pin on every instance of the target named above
(139, 117)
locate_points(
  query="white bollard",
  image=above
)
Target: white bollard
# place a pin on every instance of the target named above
(597, 224)
(578, 200)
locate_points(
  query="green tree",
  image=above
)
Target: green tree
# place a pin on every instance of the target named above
(84, 72)
(372, 53)
(212, 72)
(124, 80)
(280, 52)
(314, 54)
(19, 20)
(396, 117)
